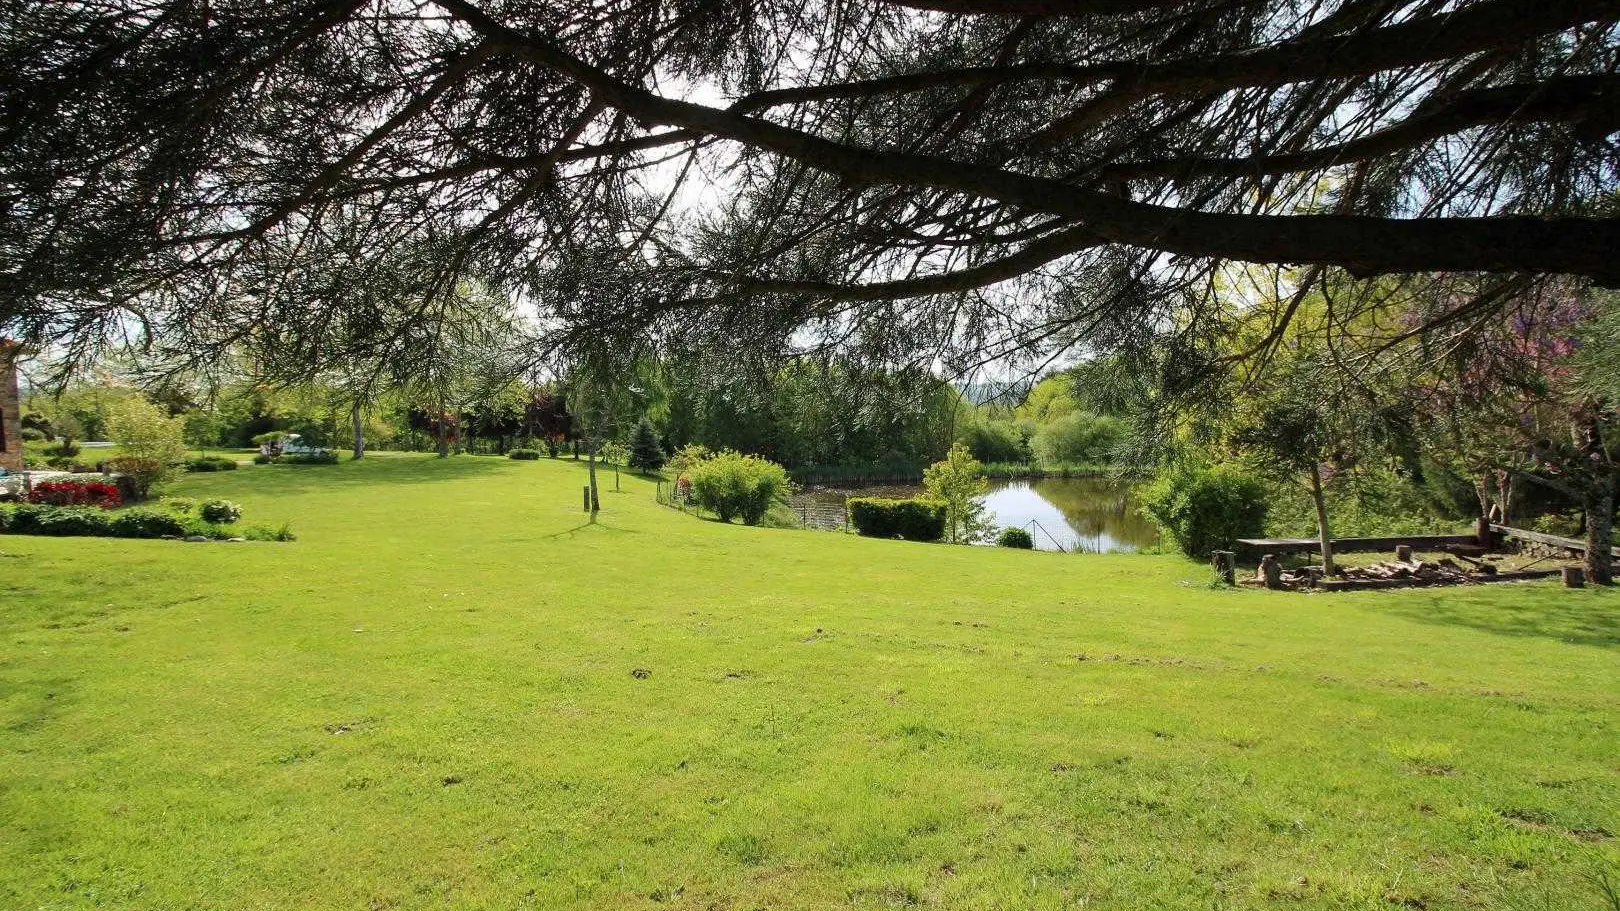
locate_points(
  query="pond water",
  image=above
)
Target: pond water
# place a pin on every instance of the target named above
(1090, 514)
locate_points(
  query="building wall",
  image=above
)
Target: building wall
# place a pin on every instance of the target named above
(11, 457)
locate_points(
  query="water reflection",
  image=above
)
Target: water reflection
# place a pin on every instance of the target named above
(1090, 514)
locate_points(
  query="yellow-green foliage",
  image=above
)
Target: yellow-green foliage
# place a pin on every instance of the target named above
(142, 430)
(958, 482)
(733, 485)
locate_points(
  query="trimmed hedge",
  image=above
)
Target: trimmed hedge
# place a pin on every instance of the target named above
(324, 457)
(58, 521)
(210, 463)
(1016, 537)
(524, 455)
(147, 523)
(86, 521)
(912, 520)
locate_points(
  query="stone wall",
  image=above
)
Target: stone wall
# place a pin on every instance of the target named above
(11, 454)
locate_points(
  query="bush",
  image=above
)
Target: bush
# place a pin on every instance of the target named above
(136, 476)
(274, 436)
(263, 459)
(30, 435)
(76, 493)
(731, 484)
(220, 512)
(1205, 509)
(68, 463)
(322, 457)
(147, 523)
(913, 520)
(1015, 537)
(524, 455)
(64, 448)
(211, 463)
(60, 521)
(144, 431)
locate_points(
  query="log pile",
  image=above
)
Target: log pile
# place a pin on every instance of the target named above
(1443, 570)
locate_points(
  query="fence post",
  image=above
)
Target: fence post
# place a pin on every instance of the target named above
(1574, 577)
(1483, 533)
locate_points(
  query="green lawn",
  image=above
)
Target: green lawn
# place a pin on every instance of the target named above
(427, 702)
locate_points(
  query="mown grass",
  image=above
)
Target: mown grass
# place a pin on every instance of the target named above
(428, 702)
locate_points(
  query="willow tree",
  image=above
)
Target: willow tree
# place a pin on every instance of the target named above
(956, 179)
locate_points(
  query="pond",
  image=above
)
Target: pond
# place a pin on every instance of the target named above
(1097, 515)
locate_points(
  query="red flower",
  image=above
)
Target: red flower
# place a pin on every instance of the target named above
(75, 493)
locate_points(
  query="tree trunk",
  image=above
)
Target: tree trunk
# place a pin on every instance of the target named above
(1324, 535)
(590, 456)
(1599, 562)
(444, 439)
(359, 432)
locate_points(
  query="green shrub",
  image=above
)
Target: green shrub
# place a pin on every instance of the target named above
(263, 459)
(71, 521)
(30, 435)
(1015, 537)
(64, 448)
(524, 455)
(913, 520)
(220, 512)
(180, 505)
(733, 485)
(210, 463)
(322, 457)
(68, 463)
(147, 523)
(1205, 509)
(135, 476)
(274, 436)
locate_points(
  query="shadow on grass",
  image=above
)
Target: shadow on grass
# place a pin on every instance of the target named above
(1589, 617)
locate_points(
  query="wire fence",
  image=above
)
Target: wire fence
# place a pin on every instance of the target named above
(801, 514)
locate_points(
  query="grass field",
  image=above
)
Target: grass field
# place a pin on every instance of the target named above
(427, 701)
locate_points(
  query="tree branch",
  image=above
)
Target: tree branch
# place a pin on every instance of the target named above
(1473, 28)
(1360, 244)
(1594, 101)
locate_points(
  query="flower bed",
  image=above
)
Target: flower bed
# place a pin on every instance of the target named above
(76, 493)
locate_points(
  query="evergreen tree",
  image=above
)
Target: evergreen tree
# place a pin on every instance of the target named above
(645, 453)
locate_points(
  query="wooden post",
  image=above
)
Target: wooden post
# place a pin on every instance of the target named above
(1225, 563)
(1483, 533)
(1270, 571)
(1403, 553)
(1574, 577)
